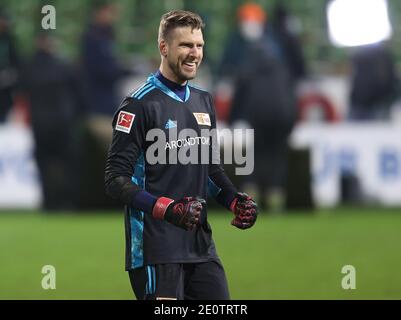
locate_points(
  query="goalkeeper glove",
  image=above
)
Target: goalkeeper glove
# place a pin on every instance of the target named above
(183, 213)
(245, 210)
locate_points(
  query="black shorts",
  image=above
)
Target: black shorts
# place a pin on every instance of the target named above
(200, 281)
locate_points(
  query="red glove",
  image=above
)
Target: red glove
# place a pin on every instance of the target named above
(245, 210)
(183, 213)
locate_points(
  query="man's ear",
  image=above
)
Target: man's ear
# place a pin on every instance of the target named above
(163, 48)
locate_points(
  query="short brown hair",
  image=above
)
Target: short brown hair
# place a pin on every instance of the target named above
(178, 18)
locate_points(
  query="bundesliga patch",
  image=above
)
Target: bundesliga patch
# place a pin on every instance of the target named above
(124, 121)
(202, 119)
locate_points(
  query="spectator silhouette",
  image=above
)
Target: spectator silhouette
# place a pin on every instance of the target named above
(251, 18)
(8, 67)
(374, 84)
(53, 96)
(283, 28)
(265, 99)
(101, 70)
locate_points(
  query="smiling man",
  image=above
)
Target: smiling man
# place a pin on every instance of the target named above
(181, 51)
(170, 253)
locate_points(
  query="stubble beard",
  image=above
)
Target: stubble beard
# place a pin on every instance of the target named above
(181, 76)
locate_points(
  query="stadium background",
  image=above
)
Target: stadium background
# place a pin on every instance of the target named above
(298, 254)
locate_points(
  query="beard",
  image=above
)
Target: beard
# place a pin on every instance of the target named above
(181, 75)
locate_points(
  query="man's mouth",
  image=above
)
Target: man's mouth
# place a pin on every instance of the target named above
(189, 65)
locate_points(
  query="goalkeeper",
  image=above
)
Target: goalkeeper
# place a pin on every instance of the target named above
(170, 253)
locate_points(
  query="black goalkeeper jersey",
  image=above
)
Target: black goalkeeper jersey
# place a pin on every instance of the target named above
(155, 106)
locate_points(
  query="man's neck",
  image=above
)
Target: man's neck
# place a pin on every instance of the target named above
(178, 89)
(169, 75)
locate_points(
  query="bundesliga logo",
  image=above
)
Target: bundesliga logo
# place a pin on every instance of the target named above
(124, 122)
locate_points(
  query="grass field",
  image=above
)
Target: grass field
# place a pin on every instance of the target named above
(293, 256)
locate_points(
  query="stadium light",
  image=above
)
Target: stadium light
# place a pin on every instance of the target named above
(358, 22)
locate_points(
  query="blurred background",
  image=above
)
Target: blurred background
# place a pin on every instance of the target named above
(318, 81)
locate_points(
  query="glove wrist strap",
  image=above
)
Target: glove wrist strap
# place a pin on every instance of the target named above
(233, 204)
(160, 207)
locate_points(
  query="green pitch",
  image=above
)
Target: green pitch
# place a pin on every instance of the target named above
(293, 256)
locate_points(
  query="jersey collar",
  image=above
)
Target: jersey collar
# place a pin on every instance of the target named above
(152, 79)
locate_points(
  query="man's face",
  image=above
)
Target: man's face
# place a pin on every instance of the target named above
(183, 53)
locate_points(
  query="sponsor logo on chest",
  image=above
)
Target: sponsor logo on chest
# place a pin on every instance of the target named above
(202, 119)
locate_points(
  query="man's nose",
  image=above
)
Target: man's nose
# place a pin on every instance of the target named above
(195, 52)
